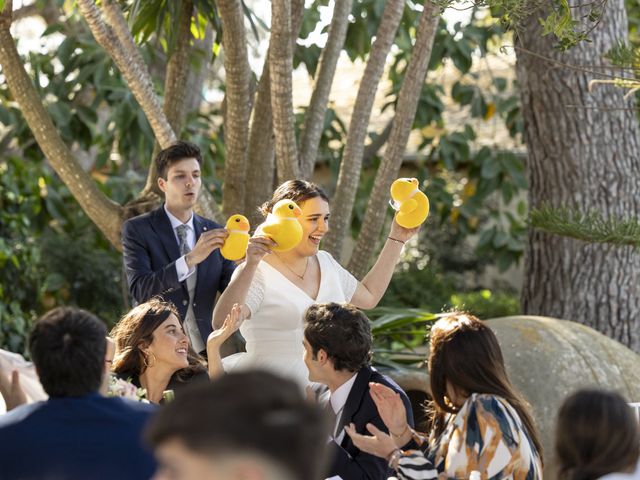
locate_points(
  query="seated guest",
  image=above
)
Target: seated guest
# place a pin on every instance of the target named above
(153, 351)
(251, 425)
(597, 436)
(480, 423)
(337, 344)
(76, 433)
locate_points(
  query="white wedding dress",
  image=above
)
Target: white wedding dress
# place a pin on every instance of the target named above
(274, 332)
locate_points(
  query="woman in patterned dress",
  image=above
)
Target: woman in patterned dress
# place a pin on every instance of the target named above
(479, 422)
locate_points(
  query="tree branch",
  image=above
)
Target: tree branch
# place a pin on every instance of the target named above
(175, 90)
(589, 227)
(280, 71)
(314, 120)
(236, 129)
(394, 153)
(261, 167)
(118, 43)
(136, 74)
(351, 164)
(105, 213)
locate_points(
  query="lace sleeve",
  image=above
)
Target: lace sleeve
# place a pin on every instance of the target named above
(256, 292)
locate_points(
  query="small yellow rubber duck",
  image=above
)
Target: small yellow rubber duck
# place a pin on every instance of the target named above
(282, 225)
(235, 246)
(411, 204)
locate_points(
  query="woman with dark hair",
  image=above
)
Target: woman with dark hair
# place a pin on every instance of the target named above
(274, 289)
(480, 423)
(153, 351)
(597, 436)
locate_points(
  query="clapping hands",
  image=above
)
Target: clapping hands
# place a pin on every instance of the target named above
(394, 415)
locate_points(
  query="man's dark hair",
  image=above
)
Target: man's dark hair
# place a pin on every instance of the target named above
(68, 347)
(342, 331)
(247, 413)
(175, 153)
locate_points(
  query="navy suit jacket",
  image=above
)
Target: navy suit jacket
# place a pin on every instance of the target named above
(76, 438)
(349, 462)
(150, 254)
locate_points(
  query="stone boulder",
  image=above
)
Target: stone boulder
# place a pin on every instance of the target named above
(547, 359)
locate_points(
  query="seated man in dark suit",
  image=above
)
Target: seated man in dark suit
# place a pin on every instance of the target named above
(337, 343)
(250, 425)
(76, 433)
(172, 252)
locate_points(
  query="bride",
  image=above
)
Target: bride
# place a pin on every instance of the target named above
(275, 289)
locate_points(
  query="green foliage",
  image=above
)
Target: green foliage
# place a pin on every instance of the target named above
(559, 21)
(589, 226)
(441, 271)
(50, 253)
(486, 304)
(400, 335)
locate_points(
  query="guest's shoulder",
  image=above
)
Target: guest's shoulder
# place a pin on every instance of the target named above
(378, 377)
(130, 407)
(143, 219)
(210, 224)
(21, 413)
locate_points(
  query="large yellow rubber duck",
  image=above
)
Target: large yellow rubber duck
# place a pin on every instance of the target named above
(282, 225)
(235, 246)
(411, 204)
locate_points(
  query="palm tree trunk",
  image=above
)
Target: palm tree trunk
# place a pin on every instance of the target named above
(236, 129)
(129, 63)
(314, 120)
(105, 213)
(175, 88)
(280, 70)
(351, 165)
(261, 155)
(136, 74)
(402, 125)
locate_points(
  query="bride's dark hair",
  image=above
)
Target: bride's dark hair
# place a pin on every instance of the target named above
(296, 190)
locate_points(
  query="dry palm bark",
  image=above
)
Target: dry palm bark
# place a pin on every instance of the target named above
(314, 118)
(106, 214)
(133, 71)
(280, 70)
(401, 128)
(584, 153)
(136, 74)
(351, 165)
(236, 129)
(261, 155)
(175, 88)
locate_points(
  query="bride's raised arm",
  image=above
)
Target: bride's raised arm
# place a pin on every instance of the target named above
(236, 291)
(372, 287)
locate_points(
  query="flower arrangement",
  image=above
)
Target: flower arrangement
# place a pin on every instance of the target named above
(125, 389)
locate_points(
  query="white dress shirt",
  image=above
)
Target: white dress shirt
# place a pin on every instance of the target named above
(186, 273)
(182, 269)
(338, 401)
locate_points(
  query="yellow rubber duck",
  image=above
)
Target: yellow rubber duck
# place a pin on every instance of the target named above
(235, 246)
(411, 204)
(282, 225)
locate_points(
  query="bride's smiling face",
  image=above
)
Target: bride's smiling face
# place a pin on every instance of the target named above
(169, 344)
(315, 224)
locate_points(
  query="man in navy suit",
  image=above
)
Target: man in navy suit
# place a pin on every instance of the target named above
(337, 343)
(172, 252)
(76, 433)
